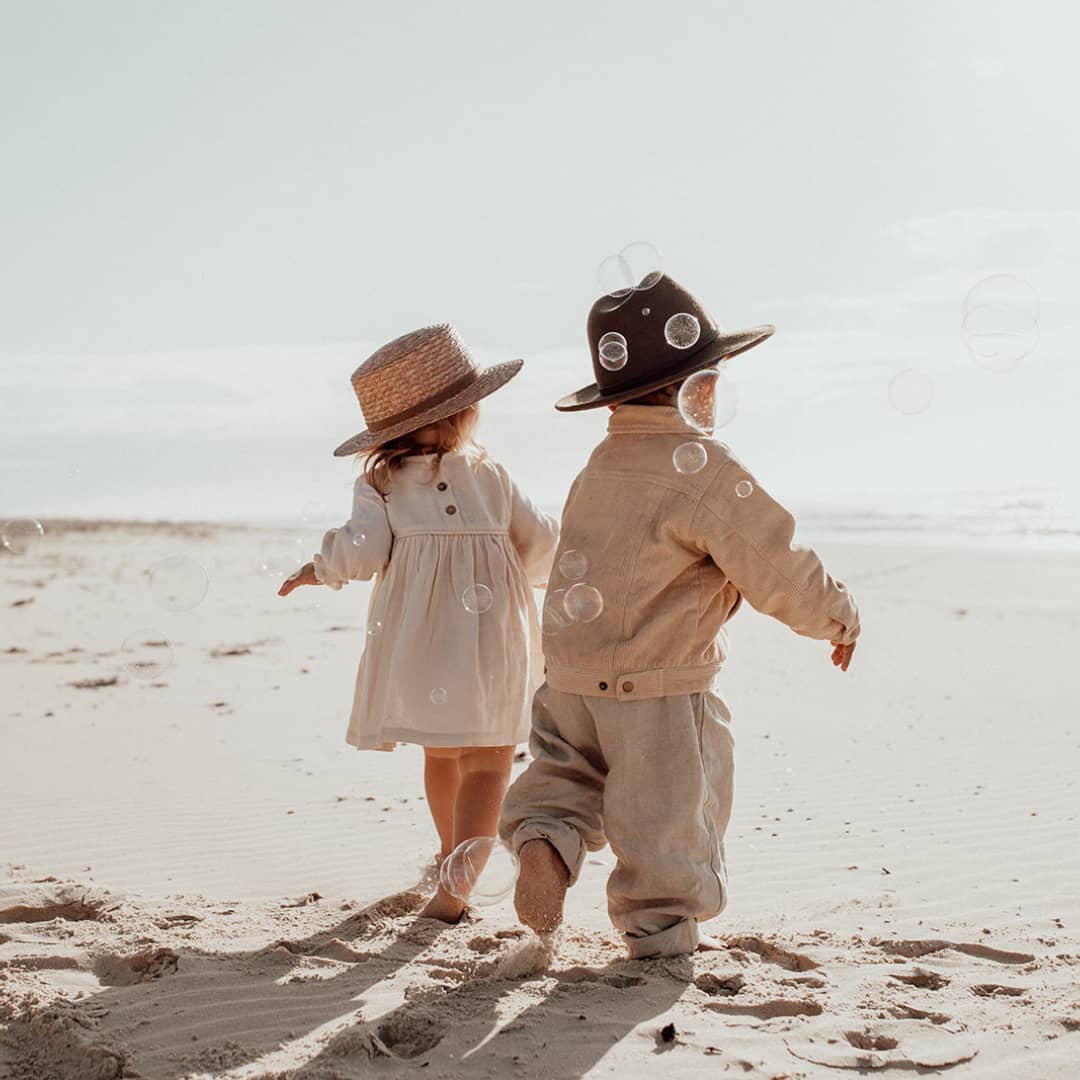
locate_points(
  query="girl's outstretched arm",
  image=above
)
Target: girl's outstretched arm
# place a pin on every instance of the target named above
(360, 549)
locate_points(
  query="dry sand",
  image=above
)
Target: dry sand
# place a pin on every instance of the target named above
(200, 879)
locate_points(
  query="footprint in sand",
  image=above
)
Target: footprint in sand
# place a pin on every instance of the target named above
(114, 970)
(905, 1044)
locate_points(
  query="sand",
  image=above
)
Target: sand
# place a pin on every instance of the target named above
(199, 879)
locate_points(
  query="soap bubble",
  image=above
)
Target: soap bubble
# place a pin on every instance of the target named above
(612, 351)
(615, 277)
(646, 311)
(911, 392)
(1000, 322)
(438, 696)
(146, 654)
(573, 564)
(744, 489)
(22, 535)
(707, 400)
(555, 614)
(282, 558)
(480, 871)
(583, 603)
(178, 583)
(690, 458)
(476, 599)
(359, 539)
(645, 262)
(374, 628)
(682, 331)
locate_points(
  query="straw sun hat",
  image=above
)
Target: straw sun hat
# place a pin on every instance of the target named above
(417, 379)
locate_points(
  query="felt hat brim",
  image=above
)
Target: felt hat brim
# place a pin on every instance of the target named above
(487, 382)
(712, 352)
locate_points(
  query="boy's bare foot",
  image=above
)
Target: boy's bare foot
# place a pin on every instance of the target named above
(541, 886)
(444, 907)
(708, 943)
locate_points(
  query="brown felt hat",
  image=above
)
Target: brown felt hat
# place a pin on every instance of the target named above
(416, 379)
(649, 337)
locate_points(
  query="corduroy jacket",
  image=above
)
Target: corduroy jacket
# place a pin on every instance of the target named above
(670, 555)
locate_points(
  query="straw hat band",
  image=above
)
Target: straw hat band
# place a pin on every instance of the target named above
(445, 391)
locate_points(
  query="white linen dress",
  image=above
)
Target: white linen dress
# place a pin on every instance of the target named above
(449, 533)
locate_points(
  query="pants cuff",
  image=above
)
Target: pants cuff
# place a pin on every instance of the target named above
(676, 940)
(562, 837)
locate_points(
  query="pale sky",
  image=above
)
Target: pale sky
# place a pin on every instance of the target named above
(185, 184)
(217, 172)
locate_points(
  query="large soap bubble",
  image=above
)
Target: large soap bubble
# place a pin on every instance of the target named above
(476, 599)
(146, 654)
(708, 400)
(911, 391)
(690, 458)
(1000, 322)
(178, 583)
(480, 871)
(21, 535)
(583, 603)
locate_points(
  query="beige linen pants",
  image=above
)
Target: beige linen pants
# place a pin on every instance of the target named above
(654, 778)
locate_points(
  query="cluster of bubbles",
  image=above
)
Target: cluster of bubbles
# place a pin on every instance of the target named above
(146, 654)
(637, 267)
(613, 351)
(999, 325)
(578, 602)
(480, 871)
(21, 535)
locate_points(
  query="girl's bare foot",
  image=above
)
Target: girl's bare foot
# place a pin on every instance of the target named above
(541, 886)
(444, 907)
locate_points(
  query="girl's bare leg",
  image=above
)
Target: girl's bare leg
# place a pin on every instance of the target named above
(484, 776)
(442, 778)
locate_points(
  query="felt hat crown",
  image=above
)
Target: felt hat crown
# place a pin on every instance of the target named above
(417, 379)
(649, 337)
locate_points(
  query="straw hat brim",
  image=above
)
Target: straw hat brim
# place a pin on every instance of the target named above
(487, 382)
(720, 348)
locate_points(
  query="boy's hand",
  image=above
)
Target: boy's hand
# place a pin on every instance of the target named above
(841, 654)
(304, 576)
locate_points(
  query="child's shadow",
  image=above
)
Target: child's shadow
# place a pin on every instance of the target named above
(220, 1011)
(473, 1027)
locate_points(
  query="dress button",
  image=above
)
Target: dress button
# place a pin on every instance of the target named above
(441, 485)
(627, 687)
(603, 686)
(451, 509)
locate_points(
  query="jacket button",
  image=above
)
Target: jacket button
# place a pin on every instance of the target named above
(627, 687)
(441, 485)
(451, 509)
(603, 686)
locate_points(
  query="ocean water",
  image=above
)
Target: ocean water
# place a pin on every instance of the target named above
(247, 434)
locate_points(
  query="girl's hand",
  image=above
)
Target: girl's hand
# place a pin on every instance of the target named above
(304, 576)
(841, 654)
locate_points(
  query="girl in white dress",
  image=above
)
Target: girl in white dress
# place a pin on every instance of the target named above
(452, 653)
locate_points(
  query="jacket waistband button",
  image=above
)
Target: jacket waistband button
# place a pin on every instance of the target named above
(441, 485)
(451, 509)
(627, 687)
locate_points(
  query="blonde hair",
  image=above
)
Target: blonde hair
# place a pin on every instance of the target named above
(453, 433)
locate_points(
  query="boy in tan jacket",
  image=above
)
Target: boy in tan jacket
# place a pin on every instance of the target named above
(663, 535)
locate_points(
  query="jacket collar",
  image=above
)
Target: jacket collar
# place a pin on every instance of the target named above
(648, 420)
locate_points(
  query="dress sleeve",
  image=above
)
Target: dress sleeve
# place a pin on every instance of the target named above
(751, 537)
(360, 549)
(533, 533)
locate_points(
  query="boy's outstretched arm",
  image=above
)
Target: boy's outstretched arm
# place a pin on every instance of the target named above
(752, 539)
